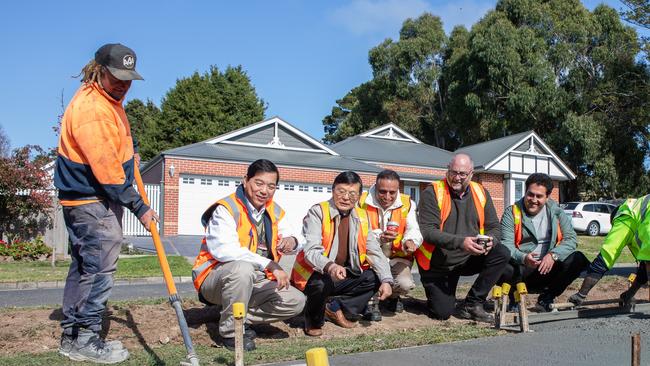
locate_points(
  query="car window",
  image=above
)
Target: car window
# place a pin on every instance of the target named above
(602, 209)
(611, 208)
(589, 208)
(569, 205)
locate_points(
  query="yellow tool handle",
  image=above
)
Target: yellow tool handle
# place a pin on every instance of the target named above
(153, 228)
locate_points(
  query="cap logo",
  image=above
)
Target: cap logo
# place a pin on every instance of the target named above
(128, 61)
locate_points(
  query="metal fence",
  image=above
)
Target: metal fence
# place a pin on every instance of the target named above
(130, 224)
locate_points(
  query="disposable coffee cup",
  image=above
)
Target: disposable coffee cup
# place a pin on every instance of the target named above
(483, 240)
(392, 226)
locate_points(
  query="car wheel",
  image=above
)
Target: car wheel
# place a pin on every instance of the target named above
(593, 229)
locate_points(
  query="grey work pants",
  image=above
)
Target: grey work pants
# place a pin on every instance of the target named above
(95, 231)
(402, 276)
(239, 281)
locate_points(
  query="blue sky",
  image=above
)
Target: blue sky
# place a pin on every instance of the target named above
(300, 55)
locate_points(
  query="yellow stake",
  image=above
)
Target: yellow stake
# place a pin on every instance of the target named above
(317, 357)
(505, 288)
(496, 292)
(521, 288)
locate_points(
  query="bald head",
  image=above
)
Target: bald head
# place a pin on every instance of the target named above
(459, 172)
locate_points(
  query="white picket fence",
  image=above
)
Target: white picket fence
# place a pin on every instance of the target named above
(130, 224)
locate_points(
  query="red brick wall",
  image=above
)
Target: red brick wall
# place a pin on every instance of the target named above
(493, 183)
(235, 170)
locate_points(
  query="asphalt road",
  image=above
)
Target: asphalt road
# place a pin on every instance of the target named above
(581, 342)
(42, 297)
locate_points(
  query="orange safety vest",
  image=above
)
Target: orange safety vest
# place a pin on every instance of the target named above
(245, 230)
(302, 270)
(397, 215)
(441, 190)
(516, 214)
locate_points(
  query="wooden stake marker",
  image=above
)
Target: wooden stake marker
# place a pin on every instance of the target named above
(239, 313)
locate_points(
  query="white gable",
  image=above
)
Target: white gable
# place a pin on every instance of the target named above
(273, 133)
(391, 131)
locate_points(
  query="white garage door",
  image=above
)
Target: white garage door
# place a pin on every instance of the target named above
(197, 193)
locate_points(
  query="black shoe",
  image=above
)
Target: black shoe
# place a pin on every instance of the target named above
(249, 332)
(543, 304)
(249, 343)
(489, 306)
(626, 300)
(474, 312)
(394, 305)
(372, 313)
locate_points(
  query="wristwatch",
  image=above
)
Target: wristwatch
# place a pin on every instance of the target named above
(554, 256)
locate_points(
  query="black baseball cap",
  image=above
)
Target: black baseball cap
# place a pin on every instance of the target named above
(119, 60)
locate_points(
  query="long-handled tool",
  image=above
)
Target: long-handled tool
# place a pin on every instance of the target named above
(174, 298)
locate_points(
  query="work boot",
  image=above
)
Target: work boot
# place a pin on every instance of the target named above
(543, 304)
(626, 300)
(67, 340)
(372, 312)
(394, 305)
(89, 347)
(249, 343)
(587, 284)
(474, 312)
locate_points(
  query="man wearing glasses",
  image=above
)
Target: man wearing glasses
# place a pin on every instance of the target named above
(542, 243)
(337, 258)
(246, 234)
(461, 234)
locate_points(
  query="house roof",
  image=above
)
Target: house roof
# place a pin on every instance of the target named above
(372, 149)
(486, 152)
(238, 153)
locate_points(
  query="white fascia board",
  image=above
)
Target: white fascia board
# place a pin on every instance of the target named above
(265, 146)
(225, 137)
(387, 126)
(551, 154)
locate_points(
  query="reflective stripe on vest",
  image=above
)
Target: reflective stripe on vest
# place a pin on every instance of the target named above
(245, 231)
(517, 218)
(302, 270)
(397, 215)
(441, 190)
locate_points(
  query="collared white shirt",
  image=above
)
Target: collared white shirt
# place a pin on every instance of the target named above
(223, 241)
(412, 231)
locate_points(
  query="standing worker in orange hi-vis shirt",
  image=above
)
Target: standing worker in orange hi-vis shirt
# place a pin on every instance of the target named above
(94, 175)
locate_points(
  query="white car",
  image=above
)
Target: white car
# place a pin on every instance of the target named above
(590, 217)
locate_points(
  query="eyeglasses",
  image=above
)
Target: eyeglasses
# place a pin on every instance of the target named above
(342, 192)
(259, 184)
(462, 175)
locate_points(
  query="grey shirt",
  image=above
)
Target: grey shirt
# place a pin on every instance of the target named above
(312, 229)
(542, 231)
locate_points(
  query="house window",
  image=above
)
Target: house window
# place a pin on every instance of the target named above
(237, 182)
(329, 189)
(318, 189)
(206, 182)
(519, 190)
(303, 188)
(223, 183)
(188, 180)
(289, 187)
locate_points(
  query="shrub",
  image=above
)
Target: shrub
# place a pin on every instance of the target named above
(25, 249)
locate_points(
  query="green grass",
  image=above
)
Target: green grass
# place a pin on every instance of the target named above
(146, 266)
(590, 246)
(280, 350)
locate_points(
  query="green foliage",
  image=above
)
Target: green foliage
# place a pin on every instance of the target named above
(21, 250)
(197, 108)
(571, 75)
(637, 12)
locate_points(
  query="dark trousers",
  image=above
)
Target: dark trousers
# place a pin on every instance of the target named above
(441, 288)
(552, 284)
(95, 231)
(353, 293)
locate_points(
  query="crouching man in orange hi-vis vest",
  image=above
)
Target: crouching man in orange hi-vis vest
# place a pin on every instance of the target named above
(453, 215)
(542, 243)
(395, 224)
(337, 261)
(246, 233)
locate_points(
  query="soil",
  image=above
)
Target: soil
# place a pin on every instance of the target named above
(150, 326)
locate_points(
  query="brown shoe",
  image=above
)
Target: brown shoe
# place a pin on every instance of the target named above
(314, 332)
(338, 318)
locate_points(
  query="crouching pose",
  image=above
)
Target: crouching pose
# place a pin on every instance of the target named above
(339, 270)
(631, 228)
(246, 234)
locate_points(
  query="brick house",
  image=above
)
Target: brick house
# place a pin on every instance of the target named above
(192, 177)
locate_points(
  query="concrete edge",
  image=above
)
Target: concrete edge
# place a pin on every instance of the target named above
(18, 285)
